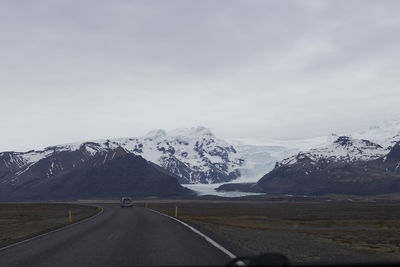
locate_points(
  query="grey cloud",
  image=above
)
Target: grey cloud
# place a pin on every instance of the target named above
(77, 70)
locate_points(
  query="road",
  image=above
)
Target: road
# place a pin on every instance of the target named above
(117, 237)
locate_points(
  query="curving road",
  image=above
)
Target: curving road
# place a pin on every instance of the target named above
(117, 237)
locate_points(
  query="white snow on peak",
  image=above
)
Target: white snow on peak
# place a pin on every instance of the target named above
(342, 149)
(92, 149)
(386, 134)
(156, 134)
(199, 131)
(197, 148)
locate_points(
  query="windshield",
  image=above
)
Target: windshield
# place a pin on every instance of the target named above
(197, 132)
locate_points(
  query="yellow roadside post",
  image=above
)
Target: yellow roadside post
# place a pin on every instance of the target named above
(146, 205)
(176, 211)
(70, 215)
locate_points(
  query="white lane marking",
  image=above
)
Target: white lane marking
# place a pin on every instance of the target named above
(212, 242)
(56, 230)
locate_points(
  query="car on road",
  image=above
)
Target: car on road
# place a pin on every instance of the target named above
(126, 202)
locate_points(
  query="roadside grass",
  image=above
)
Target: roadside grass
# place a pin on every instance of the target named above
(19, 221)
(364, 225)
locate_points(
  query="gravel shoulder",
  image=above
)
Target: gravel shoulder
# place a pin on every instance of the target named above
(298, 247)
(306, 232)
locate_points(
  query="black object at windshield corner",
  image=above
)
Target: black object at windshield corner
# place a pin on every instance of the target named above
(279, 260)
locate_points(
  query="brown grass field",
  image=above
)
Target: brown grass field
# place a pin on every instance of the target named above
(363, 225)
(20, 221)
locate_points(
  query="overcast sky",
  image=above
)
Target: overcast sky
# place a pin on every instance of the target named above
(80, 70)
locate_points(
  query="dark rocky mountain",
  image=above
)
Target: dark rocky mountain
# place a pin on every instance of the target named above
(240, 187)
(193, 155)
(311, 176)
(306, 176)
(109, 174)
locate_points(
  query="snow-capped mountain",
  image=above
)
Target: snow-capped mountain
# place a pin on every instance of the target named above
(342, 165)
(343, 149)
(193, 155)
(348, 176)
(196, 155)
(365, 145)
(106, 174)
(262, 155)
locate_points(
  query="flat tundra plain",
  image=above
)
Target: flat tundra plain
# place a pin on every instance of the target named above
(332, 232)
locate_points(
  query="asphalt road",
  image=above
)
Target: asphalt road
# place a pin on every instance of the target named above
(117, 237)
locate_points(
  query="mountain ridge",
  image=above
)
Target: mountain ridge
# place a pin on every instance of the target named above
(326, 175)
(109, 174)
(193, 155)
